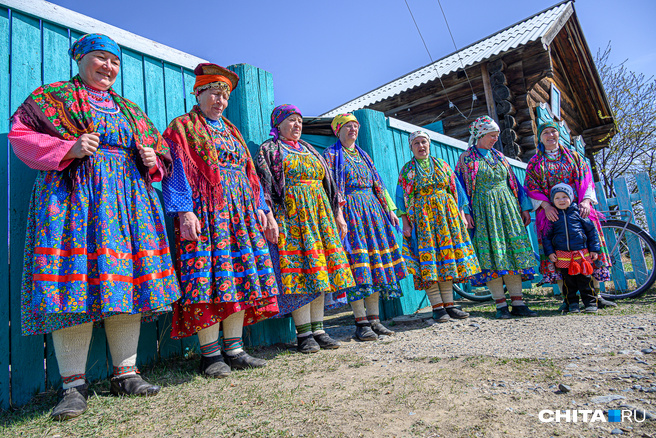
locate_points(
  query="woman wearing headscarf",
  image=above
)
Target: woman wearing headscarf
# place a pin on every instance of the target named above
(436, 245)
(96, 247)
(375, 258)
(554, 164)
(498, 216)
(224, 264)
(308, 208)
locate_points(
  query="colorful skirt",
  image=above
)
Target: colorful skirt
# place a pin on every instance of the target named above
(375, 258)
(440, 249)
(96, 250)
(229, 269)
(312, 259)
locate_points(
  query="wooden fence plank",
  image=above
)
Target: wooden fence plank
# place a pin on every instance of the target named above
(617, 270)
(646, 192)
(27, 353)
(189, 79)
(155, 92)
(5, 393)
(635, 250)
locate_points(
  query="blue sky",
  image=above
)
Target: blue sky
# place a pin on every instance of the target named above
(324, 53)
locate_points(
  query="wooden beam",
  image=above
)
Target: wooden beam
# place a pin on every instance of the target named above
(489, 99)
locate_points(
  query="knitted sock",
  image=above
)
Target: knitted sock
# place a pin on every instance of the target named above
(316, 314)
(122, 332)
(301, 318)
(434, 296)
(359, 311)
(446, 291)
(595, 285)
(514, 285)
(208, 338)
(372, 302)
(233, 326)
(71, 349)
(496, 288)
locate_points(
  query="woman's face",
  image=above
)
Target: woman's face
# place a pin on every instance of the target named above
(348, 133)
(291, 127)
(98, 69)
(549, 138)
(488, 140)
(213, 102)
(421, 147)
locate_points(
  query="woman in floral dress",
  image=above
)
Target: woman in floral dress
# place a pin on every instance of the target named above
(308, 209)
(498, 217)
(436, 245)
(375, 258)
(224, 265)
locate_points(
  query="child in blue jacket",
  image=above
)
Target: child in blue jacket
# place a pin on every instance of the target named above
(572, 244)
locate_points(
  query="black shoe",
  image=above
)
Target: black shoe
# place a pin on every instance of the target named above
(243, 360)
(363, 332)
(522, 311)
(440, 315)
(307, 344)
(380, 329)
(456, 313)
(564, 308)
(503, 313)
(603, 303)
(132, 384)
(574, 308)
(326, 342)
(72, 402)
(214, 366)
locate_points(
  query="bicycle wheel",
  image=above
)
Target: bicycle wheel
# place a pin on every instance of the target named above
(466, 290)
(632, 253)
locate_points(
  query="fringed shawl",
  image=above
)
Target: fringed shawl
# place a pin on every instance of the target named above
(191, 136)
(62, 110)
(271, 172)
(334, 156)
(407, 180)
(537, 185)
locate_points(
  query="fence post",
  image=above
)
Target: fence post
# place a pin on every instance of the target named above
(617, 272)
(647, 197)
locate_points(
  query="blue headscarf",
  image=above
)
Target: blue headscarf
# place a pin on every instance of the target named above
(93, 41)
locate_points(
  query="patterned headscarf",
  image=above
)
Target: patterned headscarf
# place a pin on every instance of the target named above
(542, 127)
(480, 127)
(418, 134)
(279, 114)
(341, 120)
(210, 75)
(93, 41)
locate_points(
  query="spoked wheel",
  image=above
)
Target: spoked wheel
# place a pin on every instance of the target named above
(632, 253)
(470, 292)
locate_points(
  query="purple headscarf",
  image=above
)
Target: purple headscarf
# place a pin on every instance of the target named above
(280, 113)
(93, 41)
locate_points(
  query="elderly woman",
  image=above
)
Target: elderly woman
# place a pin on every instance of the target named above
(436, 245)
(375, 258)
(96, 246)
(554, 164)
(224, 264)
(308, 207)
(498, 217)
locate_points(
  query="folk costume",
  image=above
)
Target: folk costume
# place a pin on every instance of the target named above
(227, 275)
(439, 252)
(496, 198)
(374, 256)
(96, 247)
(313, 266)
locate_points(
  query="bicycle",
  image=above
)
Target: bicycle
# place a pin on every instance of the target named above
(631, 249)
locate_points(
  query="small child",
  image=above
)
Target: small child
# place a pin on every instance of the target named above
(572, 244)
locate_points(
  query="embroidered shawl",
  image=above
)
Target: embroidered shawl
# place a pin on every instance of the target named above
(334, 156)
(537, 184)
(191, 136)
(271, 172)
(62, 110)
(407, 180)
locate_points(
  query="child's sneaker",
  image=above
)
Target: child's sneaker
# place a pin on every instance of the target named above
(590, 309)
(574, 308)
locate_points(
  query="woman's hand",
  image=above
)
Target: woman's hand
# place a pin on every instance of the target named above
(526, 218)
(272, 231)
(550, 211)
(584, 208)
(189, 226)
(594, 256)
(262, 218)
(553, 258)
(407, 226)
(394, 219)
(148, 156)
(469, 220)
(341, 224)
(85, 146)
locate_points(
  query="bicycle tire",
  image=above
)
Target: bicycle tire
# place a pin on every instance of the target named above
(646, 242)
(465, 293)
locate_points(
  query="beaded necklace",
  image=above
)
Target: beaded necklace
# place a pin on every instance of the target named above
(492, 162)
(423, 173)
(220, 133)
(295, 148)
(353, 156)
(101, 101)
